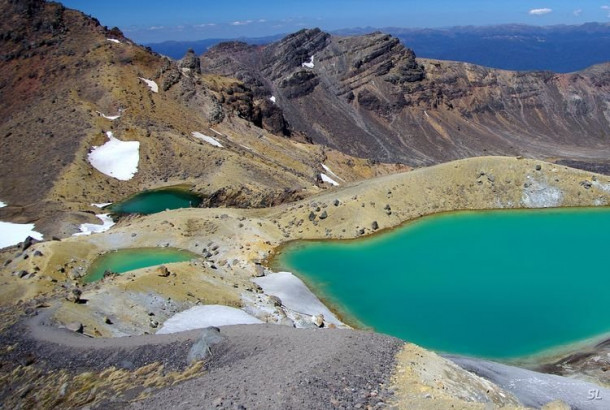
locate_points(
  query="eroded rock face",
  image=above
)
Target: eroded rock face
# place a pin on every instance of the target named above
(369, 96)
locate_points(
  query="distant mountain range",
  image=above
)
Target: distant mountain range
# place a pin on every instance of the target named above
(560, 49)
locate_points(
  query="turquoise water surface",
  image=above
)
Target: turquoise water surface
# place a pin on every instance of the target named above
(126, 260)
(496, 284)
(151, 202)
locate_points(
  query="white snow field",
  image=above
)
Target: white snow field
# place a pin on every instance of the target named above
(151, 84)
(116, 158)
(329, 180)
(199, 317)
(11, 233)
(88, 229)
(295, 295)
(210, 140)
(309, 64)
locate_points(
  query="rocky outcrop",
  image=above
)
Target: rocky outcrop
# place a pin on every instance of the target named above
(191, 62)
(369, 96)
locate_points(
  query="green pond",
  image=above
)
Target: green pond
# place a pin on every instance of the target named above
(495, 284)
(125, 260)
(151, 202)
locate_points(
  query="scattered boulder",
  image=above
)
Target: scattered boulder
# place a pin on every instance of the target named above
(163, 271)
(107, 320)
(374, 225)
(202, 348)
(538, 167)
(260, 271)
(29, 241)
(324, 215)
(312, 216)
(74, 296)
(75, 327)
(336, 202)
(275, 301)
(22, 274)
(318, 320)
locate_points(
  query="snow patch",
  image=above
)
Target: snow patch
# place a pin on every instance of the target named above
(11, 233)
(151, 84)
(328, 180)
(2, 204)
(272, 99)
(88, 229)
(309, 64)
(538, 194)
(116, 158)
(208, 315)
(113, 40)
(102, 205)
(330, 172)
(110, 117)
(210, 140)
(295, 296)
(601, 187)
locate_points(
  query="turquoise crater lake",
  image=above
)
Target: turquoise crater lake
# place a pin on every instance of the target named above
(494, 284)
(158, 200)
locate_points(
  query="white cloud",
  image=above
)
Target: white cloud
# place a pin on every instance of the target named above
(540, 12)
(241, 23)
(203, 25)
(577, 12)
(607, 9)
(156, 28)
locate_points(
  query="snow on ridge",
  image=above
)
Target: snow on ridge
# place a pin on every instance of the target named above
(114, 40)
(151, 84)
(12, 233)
(199, 317)
(295, 295)
(329, 180)
(309, 64)
(327, 169)
(210, 140)
(102, 205)
(272, 99)
(110, 117)
(116, 158)
(2, 204)
(88, 229)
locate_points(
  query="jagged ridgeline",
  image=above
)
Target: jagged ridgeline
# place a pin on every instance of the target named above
(369, 96)
(69, 85)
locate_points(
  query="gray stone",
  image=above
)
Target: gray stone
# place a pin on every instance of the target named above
(74, 295)
(275, 300)
(202, 348)
(75, 327)
(260, 271)
(324, 215)
(163, 271)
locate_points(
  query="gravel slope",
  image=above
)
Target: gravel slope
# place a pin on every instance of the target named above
(273, 367)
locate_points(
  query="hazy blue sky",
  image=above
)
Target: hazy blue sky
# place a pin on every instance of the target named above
(158, 20)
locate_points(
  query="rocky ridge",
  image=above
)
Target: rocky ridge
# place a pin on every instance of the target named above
(369, 96)
(67, 81)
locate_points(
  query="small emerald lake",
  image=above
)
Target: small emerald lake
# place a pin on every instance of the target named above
(158, 200)
(125, 260)
(495, 284)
